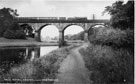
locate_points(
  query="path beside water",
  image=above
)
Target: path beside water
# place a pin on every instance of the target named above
(73, 69)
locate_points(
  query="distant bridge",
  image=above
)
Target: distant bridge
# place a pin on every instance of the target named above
(61, 23)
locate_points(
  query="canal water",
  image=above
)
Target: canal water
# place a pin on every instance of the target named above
(13, 56)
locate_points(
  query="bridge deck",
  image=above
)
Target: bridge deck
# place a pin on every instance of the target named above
(36, 20)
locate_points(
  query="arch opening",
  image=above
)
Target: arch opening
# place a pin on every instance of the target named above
(28, 30)
(94, 29)
(98, 26)
(49, 33)
(73, 34)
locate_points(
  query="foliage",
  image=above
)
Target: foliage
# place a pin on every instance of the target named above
(107, 65)
(14, 34)
(79, 36)
(1, 31)
(110, 55)
(14, 26)
(20, 34)
(115, 38)
(9, 34)
(6, 20)
(26, 27)
(45, 67)
(122, 15)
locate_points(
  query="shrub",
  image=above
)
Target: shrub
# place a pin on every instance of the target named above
(1, 31)
(110, 56)
(109, 66)
(10, 34)
(20, 34)
(45, 67)
(115, 38)
(14, 34)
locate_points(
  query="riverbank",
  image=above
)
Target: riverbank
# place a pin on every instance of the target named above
(30, 42)
(22, 42)
(40, 70)
(73, 69)
(110, 57)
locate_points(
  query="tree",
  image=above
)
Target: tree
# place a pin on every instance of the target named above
(6, 19)
(9, 28)
(122, 15)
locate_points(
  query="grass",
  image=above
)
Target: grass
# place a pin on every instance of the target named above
(28, 39)
(38, 70)
(110, 57)
(115, 38)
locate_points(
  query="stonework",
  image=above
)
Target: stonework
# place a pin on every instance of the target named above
(38, 24)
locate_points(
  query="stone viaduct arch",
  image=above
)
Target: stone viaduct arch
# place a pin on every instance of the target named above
(70, 25)
(37, 24)
(90, 28)
(38, 32)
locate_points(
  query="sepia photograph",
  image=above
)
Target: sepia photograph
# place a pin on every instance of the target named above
(67, 41)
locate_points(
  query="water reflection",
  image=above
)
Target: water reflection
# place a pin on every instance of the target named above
(45, 50)
(14, 56)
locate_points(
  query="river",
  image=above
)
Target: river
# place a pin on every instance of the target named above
(14, 56)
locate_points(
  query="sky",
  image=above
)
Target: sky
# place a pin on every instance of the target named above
(72, 30)
(58, 8)
(50, 30)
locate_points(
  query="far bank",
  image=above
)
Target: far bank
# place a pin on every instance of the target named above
(29, 42)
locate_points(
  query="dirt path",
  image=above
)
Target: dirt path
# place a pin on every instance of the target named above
(73, 70)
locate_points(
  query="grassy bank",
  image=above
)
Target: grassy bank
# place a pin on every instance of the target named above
(110, 56)
(28, 39)
(24, 42)
(41, 70)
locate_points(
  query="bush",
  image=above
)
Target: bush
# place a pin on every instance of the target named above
(20, 34)
(45, 67)
(14, 34)
(109, 66)
(115, 38)
(10, 34)
(1, 31)
(110, 56)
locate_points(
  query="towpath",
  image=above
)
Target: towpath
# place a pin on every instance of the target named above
(73, 70)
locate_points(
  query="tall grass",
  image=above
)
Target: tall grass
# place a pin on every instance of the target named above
(38, 70)
(115, 38)
(110, 56)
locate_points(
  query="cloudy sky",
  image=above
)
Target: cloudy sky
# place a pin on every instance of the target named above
(58, 8)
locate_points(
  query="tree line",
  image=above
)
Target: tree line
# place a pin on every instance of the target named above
(9, 28)
(122, 15)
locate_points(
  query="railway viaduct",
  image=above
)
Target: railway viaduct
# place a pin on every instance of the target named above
(61, 23)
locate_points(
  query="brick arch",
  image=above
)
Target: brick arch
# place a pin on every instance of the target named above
(91, 30)
(96, 25)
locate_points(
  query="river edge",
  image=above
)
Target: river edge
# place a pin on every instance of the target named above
(43, 69)
(73, 69)
(24, 42)
(28, 42)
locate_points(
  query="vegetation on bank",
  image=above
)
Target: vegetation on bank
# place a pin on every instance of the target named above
(110, 55)
(9, 28)
(110, 58)
(116, 38)
(40, 70)
(79, 36)
(122, 14)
